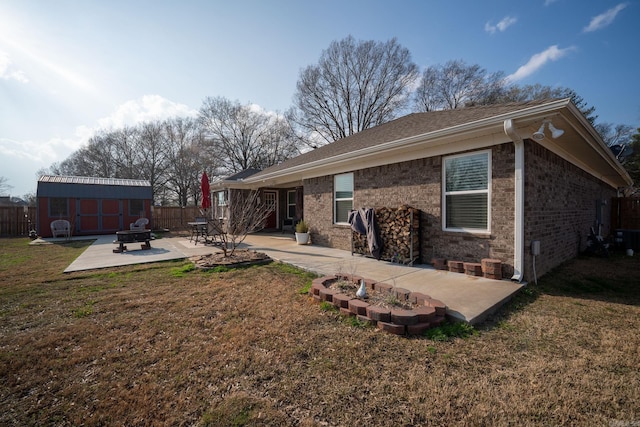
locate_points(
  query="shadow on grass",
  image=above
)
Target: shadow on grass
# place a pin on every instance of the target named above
(615, 279)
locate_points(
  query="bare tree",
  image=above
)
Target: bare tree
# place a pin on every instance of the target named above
(515, 93)
(125, 152)
(244, 136)
(4, 186)
(94, 159)
(247, 213)
(615, 135)
(456, 85)
(354, 86)
(186, 157)
(153, 159)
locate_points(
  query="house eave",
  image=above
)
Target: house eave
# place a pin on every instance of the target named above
(586, 150)
(367, 157)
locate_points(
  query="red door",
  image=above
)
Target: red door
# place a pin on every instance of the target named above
(271, 202)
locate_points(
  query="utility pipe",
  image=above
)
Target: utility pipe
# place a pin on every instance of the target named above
(518, 244)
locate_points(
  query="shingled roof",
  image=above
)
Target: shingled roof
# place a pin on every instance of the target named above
(404, 127)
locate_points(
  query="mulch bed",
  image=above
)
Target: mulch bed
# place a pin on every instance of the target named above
(239, 258)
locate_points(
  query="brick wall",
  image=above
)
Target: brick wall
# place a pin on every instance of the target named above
(417, 183)
(560, 207)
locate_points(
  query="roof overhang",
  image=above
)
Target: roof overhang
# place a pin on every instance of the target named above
(580, 145)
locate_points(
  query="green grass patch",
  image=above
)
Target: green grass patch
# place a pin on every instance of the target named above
(84, 311)
(290, 269)
(182, 270)
(355, 322)
(235, 411)
(448, 331)
(327, 306)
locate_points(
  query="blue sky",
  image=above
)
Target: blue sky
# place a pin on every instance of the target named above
(68, 68)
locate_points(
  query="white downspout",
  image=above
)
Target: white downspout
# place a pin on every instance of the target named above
(518, 244)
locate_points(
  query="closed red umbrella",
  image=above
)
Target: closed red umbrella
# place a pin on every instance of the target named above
(206, 196)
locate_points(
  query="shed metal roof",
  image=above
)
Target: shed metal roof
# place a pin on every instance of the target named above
(90, 180)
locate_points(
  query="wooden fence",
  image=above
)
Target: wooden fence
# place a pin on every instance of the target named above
(174, 217)
(625, 214)
(17, 221)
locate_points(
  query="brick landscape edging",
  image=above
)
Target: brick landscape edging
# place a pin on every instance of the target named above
(429, 313)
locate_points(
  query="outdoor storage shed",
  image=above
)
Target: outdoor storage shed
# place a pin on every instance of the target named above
(92, 205)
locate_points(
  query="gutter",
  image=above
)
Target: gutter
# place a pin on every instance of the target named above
(309, 168)
(518, 243)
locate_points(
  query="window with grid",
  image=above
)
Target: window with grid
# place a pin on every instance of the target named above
(221, 204)
(136, 207)
(58, 206)
(467, 181)
(342, 197)
(291, 204)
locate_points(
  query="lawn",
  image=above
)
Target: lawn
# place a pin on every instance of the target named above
(163, 344)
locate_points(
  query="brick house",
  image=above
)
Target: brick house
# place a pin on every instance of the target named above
(487, 181)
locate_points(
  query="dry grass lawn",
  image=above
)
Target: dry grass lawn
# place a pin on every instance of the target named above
(161, 345)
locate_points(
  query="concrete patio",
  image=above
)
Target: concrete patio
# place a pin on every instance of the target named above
(468, 298)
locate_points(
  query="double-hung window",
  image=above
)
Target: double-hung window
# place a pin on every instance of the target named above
(342, 197)
(467, 182)
(291, 204)
(221, 205)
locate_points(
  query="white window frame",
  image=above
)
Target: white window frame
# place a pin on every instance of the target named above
(486, 191)
(341, 199)
(221, 208)
(289, 204)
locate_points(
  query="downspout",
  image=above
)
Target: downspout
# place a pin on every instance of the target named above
(518, 244)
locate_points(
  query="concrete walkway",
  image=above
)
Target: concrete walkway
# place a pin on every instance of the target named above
(468, 298)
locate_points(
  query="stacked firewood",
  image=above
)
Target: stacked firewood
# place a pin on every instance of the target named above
(398, 231)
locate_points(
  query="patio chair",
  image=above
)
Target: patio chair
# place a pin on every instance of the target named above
(198, 229)
(139, 225)
(61, 228)
(214, 233)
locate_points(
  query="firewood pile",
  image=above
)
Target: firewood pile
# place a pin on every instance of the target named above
(398, 230)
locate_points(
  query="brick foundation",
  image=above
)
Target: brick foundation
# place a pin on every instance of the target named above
(473, 269)
(456, 266)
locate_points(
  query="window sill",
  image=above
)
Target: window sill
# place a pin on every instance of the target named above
(477, 234)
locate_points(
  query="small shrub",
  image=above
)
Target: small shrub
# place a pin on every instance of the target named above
(355, 322)
(302, 227)
(392, 299)
(449, 331)
(327, 306)
(345, 284)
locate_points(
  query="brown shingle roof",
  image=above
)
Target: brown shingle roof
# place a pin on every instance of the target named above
(404, 127)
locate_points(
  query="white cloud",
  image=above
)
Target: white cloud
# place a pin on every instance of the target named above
(34, 151)
(144, 109)
(8, 71)
(147, 108)
(537, 61)
(501, 26)
(549, 2)
(604, 19)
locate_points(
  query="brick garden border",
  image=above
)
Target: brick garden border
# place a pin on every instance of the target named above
(429, 313)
